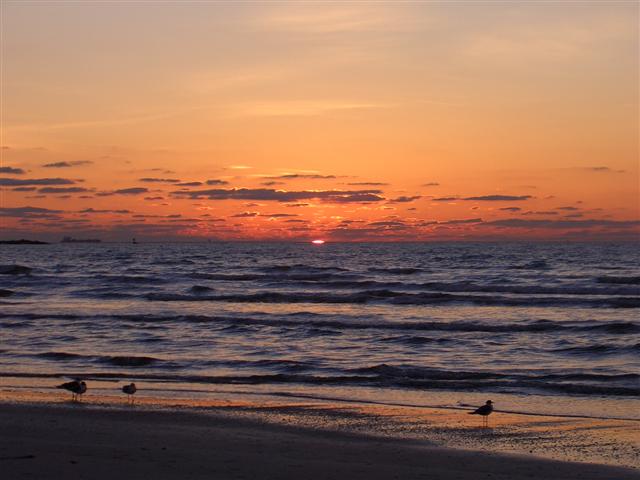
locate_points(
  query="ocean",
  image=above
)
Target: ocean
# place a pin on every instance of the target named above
(546, 328)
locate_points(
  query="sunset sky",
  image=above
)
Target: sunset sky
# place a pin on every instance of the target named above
(333, 120)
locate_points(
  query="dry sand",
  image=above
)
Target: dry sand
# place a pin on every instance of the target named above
(49, 438)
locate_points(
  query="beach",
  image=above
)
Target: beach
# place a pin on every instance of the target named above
(46, 436)
(259, 361)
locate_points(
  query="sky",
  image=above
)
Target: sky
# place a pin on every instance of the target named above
(344, 121)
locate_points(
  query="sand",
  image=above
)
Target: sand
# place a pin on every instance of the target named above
(104, 439)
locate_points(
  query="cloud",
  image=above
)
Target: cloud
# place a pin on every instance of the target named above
(158, 169)
(266, 194)
(272, 183)
(67, 164)
(23, 189)
(154, 198)
(389, 224)
(245, 215)
(561, 224)
(404, 199)
(486, 198)
(603, 169)
(499, 198)
(217, 182)
(14, 182)
(368, 184)
(158, 180)
(91, 210)
(12, 170)
(568, 209)
(445, 199)
(130, 191)
(294, 176)
(189, 184)
(32, 212)
(431, 184)
(63, 190)
(457, 222)
(279, 215)
(290, 108)
(541, 213)
(511, 209)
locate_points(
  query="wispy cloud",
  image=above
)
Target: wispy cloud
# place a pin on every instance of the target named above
(10, 182)
(267, 194)
(12, 170)
(301, 108)
(75, 163)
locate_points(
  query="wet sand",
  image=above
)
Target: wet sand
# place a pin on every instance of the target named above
(46, 437)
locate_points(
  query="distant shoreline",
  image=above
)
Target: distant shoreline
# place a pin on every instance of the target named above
(23, 242)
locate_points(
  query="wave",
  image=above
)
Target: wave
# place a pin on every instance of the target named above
(274, 276)
(600, 349)
(59, 355)
(400, 298)
(101, 294)
(15, 270)
(633, 280)
(200, 289)
(130, 361)
(469, 287)
(300, 268)
(6, 293)
(396, 270)
(146, 361)
(116, 360)
(130, 279)
(314, 320)
(533, 265)
(415, 340)
(387, 376)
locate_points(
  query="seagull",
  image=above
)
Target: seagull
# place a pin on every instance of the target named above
(76, 388)
(485, 410)
(130, 390)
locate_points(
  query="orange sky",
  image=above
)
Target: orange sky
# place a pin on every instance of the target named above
(343, 121)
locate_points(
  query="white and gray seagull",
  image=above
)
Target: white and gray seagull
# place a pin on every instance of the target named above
(77, 388)
(130, 390)
(485, 410)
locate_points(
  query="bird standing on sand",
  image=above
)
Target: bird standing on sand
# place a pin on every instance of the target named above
(130, 390)
(77, 388)
(485, 410)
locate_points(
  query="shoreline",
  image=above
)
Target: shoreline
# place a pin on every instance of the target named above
(571, 441)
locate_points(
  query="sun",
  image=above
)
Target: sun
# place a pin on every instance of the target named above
(317, 242)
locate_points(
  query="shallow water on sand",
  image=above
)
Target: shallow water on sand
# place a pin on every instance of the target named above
(553, 327)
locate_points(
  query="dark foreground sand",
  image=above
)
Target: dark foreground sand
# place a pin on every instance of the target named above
(85, 442)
